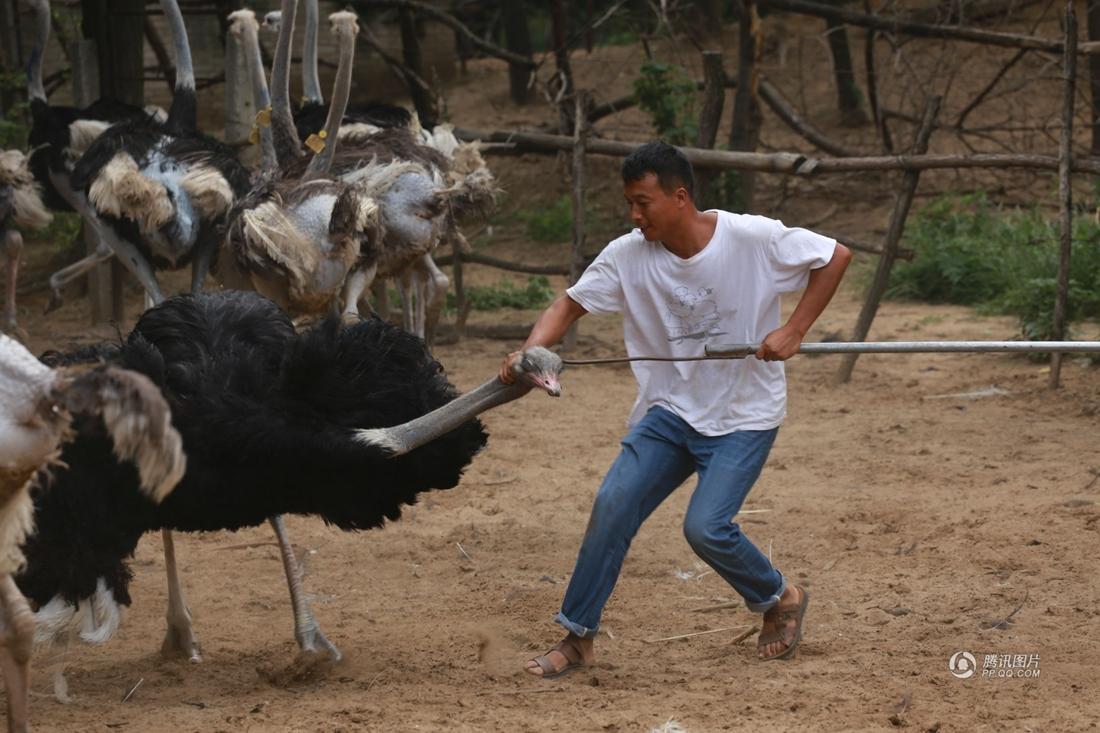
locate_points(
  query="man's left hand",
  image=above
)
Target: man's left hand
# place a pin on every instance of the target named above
(780, 345)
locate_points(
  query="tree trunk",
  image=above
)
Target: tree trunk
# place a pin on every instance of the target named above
(10, 52)
(562, 85)
(1093, 22)
(517, 39)
(118, 28)
(422, 99)
(881, 281)
(849, 100)
(714, 99)
(1065, 194)
(745, 132)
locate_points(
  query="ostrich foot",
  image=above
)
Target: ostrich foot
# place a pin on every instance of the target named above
(55, 302)
(181, 641)
(313, 645)
(16, 331)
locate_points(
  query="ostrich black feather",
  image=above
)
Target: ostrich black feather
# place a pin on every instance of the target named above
(267, 418)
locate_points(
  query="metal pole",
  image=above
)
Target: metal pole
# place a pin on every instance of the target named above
(917, 347)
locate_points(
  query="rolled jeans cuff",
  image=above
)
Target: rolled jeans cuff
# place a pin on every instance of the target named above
(767, 604)
(576, 629)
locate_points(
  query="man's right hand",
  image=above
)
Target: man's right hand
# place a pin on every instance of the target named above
(506, 374)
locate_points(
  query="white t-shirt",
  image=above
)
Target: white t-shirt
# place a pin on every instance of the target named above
(726, 293)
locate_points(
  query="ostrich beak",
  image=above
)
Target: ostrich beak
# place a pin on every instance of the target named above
(548, 382)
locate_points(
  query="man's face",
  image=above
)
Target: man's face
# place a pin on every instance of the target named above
(652, 209)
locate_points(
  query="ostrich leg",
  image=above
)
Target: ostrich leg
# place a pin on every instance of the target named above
(13, 251)
(435, 296)
(307, 631)
(66, 275)
(16, 638)
(180, 637)
(355, 285)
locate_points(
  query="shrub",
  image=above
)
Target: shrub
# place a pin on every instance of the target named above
(972, 252)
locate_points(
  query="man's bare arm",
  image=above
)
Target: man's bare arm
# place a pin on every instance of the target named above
(782, 343)
(547, 331)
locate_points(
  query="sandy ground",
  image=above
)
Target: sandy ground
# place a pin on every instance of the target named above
(915, 519)
(918, 517)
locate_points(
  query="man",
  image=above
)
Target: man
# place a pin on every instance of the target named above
(683, 278)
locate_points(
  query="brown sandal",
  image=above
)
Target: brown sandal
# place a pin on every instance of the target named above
(573, 660)
(787, 614)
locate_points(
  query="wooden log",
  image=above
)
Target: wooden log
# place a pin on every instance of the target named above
(710, 116)
(785, 111)
(872, 87)
(771, 96)
(576, 259)
(518, 38)
(1065, 191)
(898, 26)
(787, 163)
(893, 239)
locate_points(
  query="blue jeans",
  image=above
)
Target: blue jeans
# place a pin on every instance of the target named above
(657, 456)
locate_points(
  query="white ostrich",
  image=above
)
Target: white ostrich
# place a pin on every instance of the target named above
(36, 408)
(20, 206)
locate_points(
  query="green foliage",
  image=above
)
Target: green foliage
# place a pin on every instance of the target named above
(63, 231)
(553, 224)
(971, 252)
(13, 125)
(667, 92)
(536, 294)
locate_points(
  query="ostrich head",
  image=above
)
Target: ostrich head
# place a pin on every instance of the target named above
(537, 368)
(239, 20)
(273, 21)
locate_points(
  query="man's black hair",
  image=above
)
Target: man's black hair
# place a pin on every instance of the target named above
(671, 167)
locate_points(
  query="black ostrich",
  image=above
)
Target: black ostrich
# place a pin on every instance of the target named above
(59, 135)
(163, 189)
(162, 192)
(349, 423)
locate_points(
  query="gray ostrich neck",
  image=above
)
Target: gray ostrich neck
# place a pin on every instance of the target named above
(401, 439)
(42, 36)
(341, 90)
(184, 112)
(250, 45)
(311, 81)
(283, 133)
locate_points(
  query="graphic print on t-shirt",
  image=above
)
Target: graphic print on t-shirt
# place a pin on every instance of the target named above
(692, 315)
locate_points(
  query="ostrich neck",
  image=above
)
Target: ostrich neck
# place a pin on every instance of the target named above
(311, 81)
(401, 439)
(250, 45)
(341, 90)
(282, 120)
(184, 112)
(35, 89)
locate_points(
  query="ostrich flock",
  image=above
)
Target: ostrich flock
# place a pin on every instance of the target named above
(220, 409)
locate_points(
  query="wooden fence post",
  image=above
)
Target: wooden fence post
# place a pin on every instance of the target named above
(893, 240)
(576, 261)
(714, 98)
(101, 298)
(1065, 192)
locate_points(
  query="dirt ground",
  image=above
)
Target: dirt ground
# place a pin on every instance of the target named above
(924, 518)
